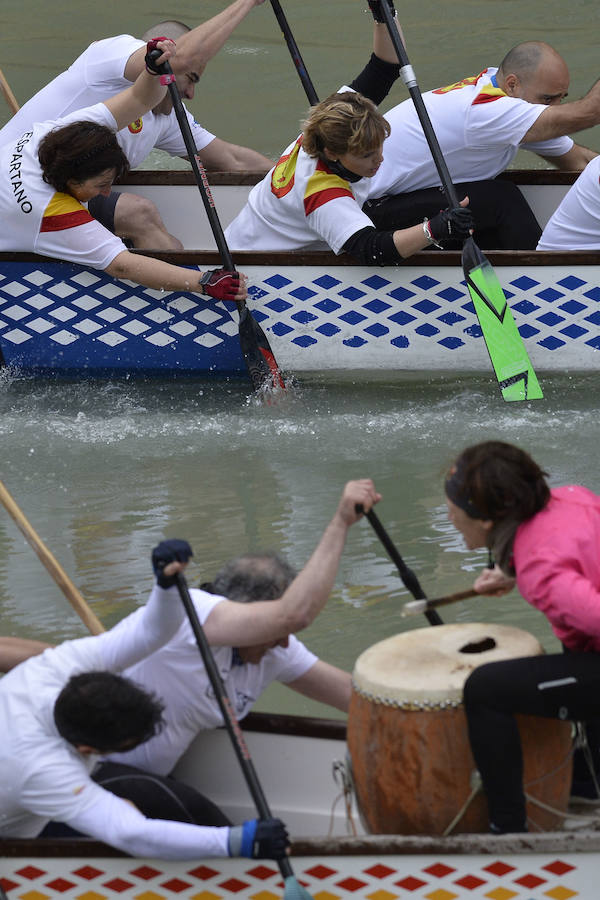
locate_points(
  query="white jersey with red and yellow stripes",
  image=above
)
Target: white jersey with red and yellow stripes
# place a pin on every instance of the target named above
(36, 218)
(300, 204)
(479, 129)
(575, 225)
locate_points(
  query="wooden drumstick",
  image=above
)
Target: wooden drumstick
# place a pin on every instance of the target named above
(418, 607)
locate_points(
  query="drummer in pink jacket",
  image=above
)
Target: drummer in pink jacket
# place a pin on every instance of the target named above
(547, 542)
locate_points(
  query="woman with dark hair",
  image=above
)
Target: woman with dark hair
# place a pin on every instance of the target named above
(313, 197)
(48, 175)
(547, 542)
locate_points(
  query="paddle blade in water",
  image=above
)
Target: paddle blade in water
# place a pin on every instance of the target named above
(511, 363)
(262, 366)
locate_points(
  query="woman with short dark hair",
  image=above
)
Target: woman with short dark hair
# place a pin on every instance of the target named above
(547, 542)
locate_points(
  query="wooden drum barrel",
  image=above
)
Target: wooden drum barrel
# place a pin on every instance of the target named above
(407, 732)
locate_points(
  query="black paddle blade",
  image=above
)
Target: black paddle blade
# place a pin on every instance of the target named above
(262, 366)
(511, 363)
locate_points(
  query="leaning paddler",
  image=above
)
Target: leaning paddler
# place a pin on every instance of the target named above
(546, 542)
(50, 173)
(313, 197)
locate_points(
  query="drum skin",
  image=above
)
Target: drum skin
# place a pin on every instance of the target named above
(407, 733)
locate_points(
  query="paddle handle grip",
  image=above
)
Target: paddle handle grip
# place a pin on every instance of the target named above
(93, 624)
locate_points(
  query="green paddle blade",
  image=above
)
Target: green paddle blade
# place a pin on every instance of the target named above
(505, 345)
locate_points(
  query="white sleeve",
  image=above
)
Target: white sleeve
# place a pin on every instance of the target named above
(501, 121)
(293, 661)
(104, 62)
(337, 220)
(555, 147)
(87, 244)
(96, 812)
(143, 632)
(171, 141)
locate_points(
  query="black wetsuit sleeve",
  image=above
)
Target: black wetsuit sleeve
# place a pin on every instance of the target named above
(376, 79)
(373, 248)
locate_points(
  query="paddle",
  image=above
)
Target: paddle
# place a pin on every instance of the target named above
(8, 94)
(409, 579)
(295, 53)
(505, 346)
(260, 361)
(293, 890)
(47, 559)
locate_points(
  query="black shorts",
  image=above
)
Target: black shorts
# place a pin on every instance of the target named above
(103, 209)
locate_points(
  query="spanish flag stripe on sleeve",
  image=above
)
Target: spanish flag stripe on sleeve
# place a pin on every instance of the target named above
(323, 187)
(64, 212)
(488, 94)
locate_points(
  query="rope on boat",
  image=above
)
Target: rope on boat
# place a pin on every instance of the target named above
(343, 778)
(476, 787)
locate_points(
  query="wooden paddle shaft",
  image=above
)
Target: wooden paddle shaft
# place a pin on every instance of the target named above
(54, 568)
(8, 94)
(416, 607)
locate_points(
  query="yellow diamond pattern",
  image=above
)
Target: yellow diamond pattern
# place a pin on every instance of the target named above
(561, 893)
(326, 895)
(145, 895)
(91, 895)
(265, 895)
(501, 893)
(207, 895)
(34, 895)
(382, 895)
(441, 894)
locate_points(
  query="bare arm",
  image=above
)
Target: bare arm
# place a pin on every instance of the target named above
(14, 650)
(160, 275)
(382, 43)
(566, 118)
(326, 684)
(246, 624)
(575, 160)
(144, 93)
(410, 240)
(196, 48)
(221, 156)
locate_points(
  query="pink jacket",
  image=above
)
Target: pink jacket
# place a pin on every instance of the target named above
(557, 561)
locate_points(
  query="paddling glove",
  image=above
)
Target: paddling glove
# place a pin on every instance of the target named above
(220, 284)
(172, 550)
(451, 224)
(259, 839)
(375, 7)
(152, 54)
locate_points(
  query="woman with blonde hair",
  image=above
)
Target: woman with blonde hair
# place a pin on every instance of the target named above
(313, 197)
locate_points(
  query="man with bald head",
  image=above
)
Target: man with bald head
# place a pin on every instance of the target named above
(109, 66)
(481, 122)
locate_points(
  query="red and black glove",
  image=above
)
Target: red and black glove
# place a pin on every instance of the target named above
(152, 54)
(220, 284)
(451, 224)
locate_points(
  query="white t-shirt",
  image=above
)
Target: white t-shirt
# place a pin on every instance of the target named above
(176, 673)
(575, 225)
(479, 129)
(43, 777)
(39, 219)
(300, 204)
(96, 76)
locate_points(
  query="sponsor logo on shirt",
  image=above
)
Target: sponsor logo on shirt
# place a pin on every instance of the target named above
(14, 174)
(136, 126)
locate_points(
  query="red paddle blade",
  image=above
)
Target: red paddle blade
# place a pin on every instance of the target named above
(262, 365)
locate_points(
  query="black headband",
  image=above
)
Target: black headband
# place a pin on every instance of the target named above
(455, 491)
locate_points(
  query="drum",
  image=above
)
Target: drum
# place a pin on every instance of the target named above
(407, 733)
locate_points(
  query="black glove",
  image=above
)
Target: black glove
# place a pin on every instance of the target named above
(220, 284)
(259, 839)
(173, 550)
(152, 54)
(451, 224)
(375, 7)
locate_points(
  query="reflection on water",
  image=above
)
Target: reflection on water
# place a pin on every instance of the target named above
(104, 470)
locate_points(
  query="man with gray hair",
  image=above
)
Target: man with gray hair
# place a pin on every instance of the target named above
(109, 66)
(481, 122)
(252, 647)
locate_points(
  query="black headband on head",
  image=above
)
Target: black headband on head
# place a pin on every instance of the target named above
(455, 491)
